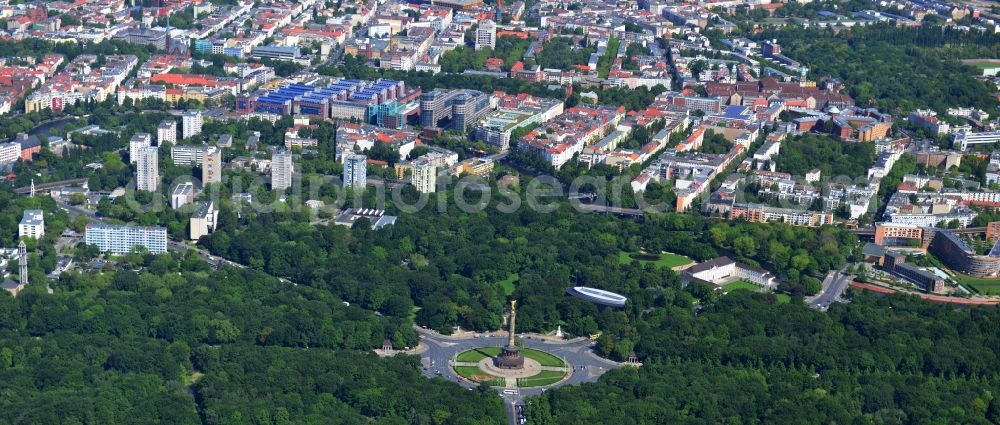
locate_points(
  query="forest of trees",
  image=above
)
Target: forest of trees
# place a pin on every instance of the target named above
(562, 53)
(508, 48)
(177, 343)
(748, 360)
(896, 69)
(450, 265)
(807, 152)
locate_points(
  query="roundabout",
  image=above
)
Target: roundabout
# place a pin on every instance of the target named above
(516, 367)
(540, 369)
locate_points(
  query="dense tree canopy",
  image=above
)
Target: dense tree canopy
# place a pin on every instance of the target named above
(805, 153)
(177, 344)
(747, 360)
(896, 69)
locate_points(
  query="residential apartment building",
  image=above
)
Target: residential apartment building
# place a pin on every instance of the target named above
(32, 224)
(191, 123)
(281, 170)
(355, 171)
(424, 176)
(10, 152)
(183, 194)
(204, 220)
(763, 213)
(147, 172)
(486, 35)
(136, 143)
(187, 155)
(211, 166)
(118, 239)
(166, 132)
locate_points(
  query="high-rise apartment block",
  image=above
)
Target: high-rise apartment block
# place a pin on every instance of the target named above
(281, 170)
(118, 239)
(166, 132)
(190, 124)
(147, 170)
(138, 141)
(211, 166)
(188, 155)
(486, 35)
(355, 171)
(424, 177)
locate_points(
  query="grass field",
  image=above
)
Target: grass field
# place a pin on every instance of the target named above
(740, 284)
(543, 378)
(471, 373)
(980, 285)
(543, 358)
(477, 354)
(662, 260)
(508, 283)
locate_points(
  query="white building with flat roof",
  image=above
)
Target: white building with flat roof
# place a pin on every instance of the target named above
(281, 170)
(118, 239)
(211, 166)
(486, 35)
(424, 177)
(32, 224)
(190, 124)
(187, 155)
(10, 152)
(966, 140)
(204, 220)
(137, 142)
(355, 171)
(166, 132)
(182, 195)
(147, 170)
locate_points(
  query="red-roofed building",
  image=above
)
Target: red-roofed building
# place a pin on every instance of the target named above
(494, 64)
(185, 80)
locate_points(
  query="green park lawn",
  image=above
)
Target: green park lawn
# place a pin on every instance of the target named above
(740, 284)
(468, 372)
(508, 283)
(662, 260)
(543, 358)
(471, 372)
(477, 354)
(543, 378)
(980, 285)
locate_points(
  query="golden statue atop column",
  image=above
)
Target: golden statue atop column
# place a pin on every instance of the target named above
(510, 356)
